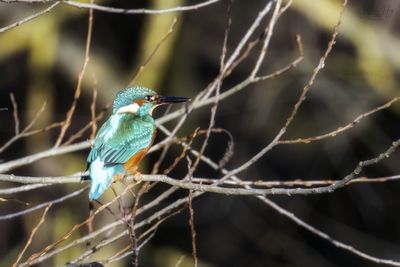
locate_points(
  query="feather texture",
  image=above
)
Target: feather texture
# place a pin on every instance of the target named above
(118, 143)
(119, 139)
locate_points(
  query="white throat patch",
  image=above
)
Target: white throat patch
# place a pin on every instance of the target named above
(132, 108)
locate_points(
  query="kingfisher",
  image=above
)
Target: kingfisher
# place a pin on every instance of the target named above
(124, 139)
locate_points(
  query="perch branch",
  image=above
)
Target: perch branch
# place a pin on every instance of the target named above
(216, 189)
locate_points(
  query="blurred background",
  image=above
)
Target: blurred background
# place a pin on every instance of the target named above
(40, 62)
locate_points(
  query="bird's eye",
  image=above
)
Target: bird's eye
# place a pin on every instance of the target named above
(148, 98)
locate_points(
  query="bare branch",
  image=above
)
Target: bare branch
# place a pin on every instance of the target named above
(23, 188)
(317, 69)
(178, 263)
(7, 166)
(93, 114)
(340, 129)
(192, 228)
(138, 11)
(325, 236)
(27, 19)
(296, 182)
(292, 64)
(79, 133)
(26, 131)
(42, 205)
(247, 36)
(15, 113)
(154, 52)
(121, 256)
(41, 221)
(71, 111)
(267, 39)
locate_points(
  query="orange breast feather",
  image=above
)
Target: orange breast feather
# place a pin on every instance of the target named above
(132, 163)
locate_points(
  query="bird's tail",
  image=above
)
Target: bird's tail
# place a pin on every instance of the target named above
(101, 177)
(97, 189)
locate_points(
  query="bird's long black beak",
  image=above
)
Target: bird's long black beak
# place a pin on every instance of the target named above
(171, 99)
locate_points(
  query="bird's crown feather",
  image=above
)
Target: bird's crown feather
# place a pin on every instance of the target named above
(129, 95)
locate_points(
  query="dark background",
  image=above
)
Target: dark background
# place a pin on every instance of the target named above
(40, 61)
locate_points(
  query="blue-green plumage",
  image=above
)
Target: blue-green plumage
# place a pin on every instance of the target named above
(120, 138)
(128, 131)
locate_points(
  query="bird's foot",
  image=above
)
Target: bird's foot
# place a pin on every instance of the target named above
(118, 177)
(137, 176)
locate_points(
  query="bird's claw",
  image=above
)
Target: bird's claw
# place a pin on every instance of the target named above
(118, 177)
(137, 176)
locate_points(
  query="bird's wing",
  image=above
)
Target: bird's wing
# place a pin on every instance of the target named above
(119, 146)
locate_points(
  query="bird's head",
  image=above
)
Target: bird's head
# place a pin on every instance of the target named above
(141, 101)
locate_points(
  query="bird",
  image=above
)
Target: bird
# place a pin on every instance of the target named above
(125, 137)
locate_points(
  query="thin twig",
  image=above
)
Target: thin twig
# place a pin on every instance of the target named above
(155, 50)
(93, 113)
(138, 11)
(183, 153)
(267, 39)
(291, 216)
(191, 216)
(317, 69)
(340, 129)
(261, 15)
(25, 132)
(10, 165)
(88, 126)
(77, 94)
(123, 255)
(29, 241)
(178, 263)
(292, 64)
(149, 232)
(42, 205)
(192, 228)
(15, 113)
(131, 224)
(23, 188)
(29, 18)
